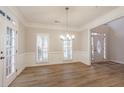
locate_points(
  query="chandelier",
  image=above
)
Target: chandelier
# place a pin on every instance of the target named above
(67, 36)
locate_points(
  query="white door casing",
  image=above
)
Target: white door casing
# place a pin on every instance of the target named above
(98, 47)
(2, 29)
(1, 52)
(9, 78)
(4, 79)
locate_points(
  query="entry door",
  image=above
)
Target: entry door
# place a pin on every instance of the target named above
(98, 47)
(7, 52)
(10, 53)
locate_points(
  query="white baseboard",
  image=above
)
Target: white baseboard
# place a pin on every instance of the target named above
(86, 63)
(20, 71)
(50, 64)
(116, 61)
(57, 58)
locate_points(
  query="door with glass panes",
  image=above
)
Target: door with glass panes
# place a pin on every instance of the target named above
(10, 50)
(98, 46)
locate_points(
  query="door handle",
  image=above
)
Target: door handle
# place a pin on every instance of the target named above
(2, 58)
(1, 52)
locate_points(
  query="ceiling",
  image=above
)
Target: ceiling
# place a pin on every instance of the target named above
(47, 15)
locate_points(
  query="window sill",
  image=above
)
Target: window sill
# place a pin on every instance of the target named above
(41, 62)
(67, 59)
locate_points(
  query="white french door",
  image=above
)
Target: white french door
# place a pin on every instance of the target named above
(10, 53)
(8, 50)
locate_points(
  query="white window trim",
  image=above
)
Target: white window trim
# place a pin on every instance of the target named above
(68, 59)
(42, 35)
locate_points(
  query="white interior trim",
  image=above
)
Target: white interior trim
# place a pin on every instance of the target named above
(57, 57)
(114, 14)
(117, 61)
(51, 27)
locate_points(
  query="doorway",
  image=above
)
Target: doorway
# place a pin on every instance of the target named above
(8, 53)
(98, 45)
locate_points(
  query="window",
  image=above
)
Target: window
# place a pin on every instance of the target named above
(67, 49)
(10, 51)
(42, 48)
(105, 57)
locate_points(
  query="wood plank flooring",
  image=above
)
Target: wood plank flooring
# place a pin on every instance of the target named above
(72, 75)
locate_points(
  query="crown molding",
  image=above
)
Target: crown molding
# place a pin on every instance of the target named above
(115, 13)
(112, 15)
(53, 27)
(21, 19)
(18, 15)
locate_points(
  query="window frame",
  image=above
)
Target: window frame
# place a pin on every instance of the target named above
(42, 35)
(70, 48)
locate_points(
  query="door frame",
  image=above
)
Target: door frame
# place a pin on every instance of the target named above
(93, 61)
(6, 81)
(2, 19)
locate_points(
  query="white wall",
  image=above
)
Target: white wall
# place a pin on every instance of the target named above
(55, 54)
(117, 40)
(20, 65)
(85, 41)
(21, 48)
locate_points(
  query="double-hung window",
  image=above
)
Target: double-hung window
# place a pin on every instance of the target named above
(67, 43)
(42, 48)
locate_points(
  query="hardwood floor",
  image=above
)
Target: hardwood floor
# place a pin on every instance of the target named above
(72, 75)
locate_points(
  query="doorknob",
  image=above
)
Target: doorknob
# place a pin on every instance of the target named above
(2, 58)
(1, 52)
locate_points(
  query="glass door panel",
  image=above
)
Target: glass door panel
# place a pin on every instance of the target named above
(10, 51)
